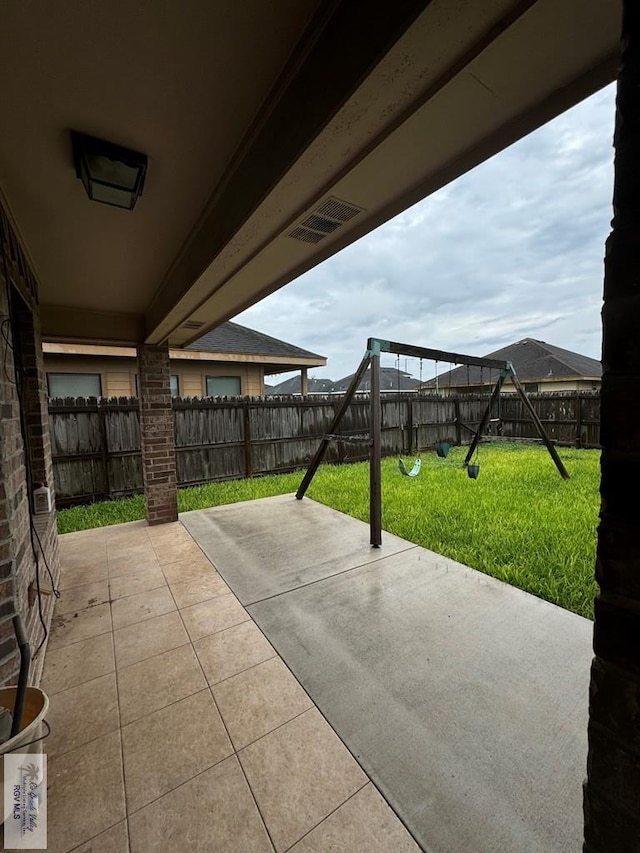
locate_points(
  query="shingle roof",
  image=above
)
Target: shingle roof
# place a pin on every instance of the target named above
(388, 381)
(234, 338)
(292, 386)
(534, 361)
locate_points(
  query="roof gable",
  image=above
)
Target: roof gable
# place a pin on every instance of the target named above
(234, 338)
(533, 360)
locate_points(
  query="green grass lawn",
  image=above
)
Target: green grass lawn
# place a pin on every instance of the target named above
(519, 521)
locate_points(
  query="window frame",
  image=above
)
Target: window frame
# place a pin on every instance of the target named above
(235, 377)
(57, 373)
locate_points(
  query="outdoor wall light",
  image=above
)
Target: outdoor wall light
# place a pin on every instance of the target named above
(110, 173)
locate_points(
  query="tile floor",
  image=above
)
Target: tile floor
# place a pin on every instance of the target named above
(176, 726)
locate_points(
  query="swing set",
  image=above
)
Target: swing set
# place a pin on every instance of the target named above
(376, 346)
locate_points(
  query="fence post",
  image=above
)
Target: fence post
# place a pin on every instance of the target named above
(578, 419)
(456, 409)
(104, 450)
(248, 472)
(410, 425)
(340, 448)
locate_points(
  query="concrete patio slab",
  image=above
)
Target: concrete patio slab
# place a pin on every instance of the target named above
(258, 557)
(464, 699)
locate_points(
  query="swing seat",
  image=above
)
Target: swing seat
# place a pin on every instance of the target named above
(473, 471)
(442, 449)
(413, 472)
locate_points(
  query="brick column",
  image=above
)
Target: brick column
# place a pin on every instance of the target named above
(612, 790)
(157, 435)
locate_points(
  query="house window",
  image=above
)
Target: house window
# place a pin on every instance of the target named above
(223, 386)
(531, 387)
(74, 384)
(174, 381)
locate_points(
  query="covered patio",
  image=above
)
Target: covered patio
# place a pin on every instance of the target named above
(299, 691)
(264, 138)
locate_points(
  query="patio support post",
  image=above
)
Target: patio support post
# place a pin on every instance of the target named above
(157, 434)
(612, 789)
(304, 383)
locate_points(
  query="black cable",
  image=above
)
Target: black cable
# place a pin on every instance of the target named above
(20, 372)
(54, 589)
(8, 348)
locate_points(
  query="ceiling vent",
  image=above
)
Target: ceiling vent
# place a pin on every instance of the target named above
(306, 235)
(325, 219)
(192, 324)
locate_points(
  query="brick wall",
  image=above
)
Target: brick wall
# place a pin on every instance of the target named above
(157, 435)
(612, 791)
(17, 561)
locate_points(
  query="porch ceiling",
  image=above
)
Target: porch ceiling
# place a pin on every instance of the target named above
(253, 115)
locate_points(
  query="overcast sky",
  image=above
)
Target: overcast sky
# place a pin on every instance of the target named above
(512, 249)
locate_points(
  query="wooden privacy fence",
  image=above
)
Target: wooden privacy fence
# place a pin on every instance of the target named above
(95, 444)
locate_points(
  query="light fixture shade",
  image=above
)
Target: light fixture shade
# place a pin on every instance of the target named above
(110, 173)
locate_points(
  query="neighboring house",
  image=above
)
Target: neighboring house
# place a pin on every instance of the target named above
(231, 360)
(292, 387)
(539, 366)
(390, 381)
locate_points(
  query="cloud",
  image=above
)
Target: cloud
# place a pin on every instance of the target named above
(512, 249)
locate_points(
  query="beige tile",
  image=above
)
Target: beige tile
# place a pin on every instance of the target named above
(140, 549)
(82, 714)
(95, 534)
(83, 661)
(195, 591)
(174, 531)
(364, 824)
(125, 528)
(300, 773)
(196, 740)
(94, 538)
(68, 628)
(151, 637)
(185, 571)
(144, 605)
(81, 597)
(86, 793)
(136, 582)
(258, 700)
(169, 551)
(114, 840)
(212, 813)
(157, 682)
(233, 650)
(71, 576)
(129, 565)
(129, 531)
(82, 557)
(214, 615)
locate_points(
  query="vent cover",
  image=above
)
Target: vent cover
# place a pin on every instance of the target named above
(306, 234)
(192, 324)
(327, 218)
(340, 210)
